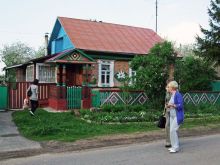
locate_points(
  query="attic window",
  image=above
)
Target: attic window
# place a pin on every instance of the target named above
(59, 45)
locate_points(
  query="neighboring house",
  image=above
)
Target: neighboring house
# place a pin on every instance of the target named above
(83, 52)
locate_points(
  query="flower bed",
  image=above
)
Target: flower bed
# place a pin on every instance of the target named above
(138, 113)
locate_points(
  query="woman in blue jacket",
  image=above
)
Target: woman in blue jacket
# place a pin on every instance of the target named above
(175, 106)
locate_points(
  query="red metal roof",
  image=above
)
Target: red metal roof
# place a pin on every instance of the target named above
(107, 37)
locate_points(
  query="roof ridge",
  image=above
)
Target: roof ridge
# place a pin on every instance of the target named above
(117, 24)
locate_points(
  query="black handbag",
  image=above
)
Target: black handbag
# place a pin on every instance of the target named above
(29, 92)
(161, 122)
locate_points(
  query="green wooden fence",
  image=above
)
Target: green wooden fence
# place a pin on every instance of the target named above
(95, 98)
(215, 85)
(74, 97)
(108, 97)
(3, 97)
(197, 98)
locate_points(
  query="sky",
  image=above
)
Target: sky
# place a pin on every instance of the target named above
(28, 20)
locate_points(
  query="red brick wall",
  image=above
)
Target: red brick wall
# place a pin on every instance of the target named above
(57, 97)
(120, 66)
(58, 104)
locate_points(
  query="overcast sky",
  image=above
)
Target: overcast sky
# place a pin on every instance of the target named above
(28, 20)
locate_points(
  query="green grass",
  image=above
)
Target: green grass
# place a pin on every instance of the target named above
(66, 127)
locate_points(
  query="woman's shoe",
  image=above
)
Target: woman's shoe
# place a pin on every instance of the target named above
(32, 114)
(172, 150)
(167, 145)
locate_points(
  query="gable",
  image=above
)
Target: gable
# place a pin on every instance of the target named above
(71, 56)
(59, 40)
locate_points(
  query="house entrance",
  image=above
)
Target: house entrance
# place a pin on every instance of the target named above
(78, 94)
(74, 75)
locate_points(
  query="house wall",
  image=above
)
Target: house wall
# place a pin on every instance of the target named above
(61, 42)
(118, 66)
(20, 75)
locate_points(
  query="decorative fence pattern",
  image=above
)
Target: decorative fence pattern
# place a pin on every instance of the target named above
(74, 97)
(18, 92)
(117, 97)
(197, 98)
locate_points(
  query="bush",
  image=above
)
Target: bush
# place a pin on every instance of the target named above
(140, 113)
(119, 113)
(201, 110)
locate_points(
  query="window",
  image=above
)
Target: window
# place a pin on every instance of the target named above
(30, 73)
(132, 75)
(106, 72)
(59, 45)
(46, 73)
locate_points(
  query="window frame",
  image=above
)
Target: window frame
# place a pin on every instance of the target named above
(26, 73)
(37, 72)
(132, 73)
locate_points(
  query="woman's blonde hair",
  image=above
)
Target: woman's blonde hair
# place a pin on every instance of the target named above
(173, 84)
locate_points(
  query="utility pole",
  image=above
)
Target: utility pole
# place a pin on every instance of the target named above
(156, 16)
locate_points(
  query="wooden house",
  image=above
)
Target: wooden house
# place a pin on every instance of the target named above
(83, 53)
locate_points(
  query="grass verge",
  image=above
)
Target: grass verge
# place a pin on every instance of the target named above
(65, 127)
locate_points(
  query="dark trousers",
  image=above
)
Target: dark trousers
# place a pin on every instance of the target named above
(34, 105)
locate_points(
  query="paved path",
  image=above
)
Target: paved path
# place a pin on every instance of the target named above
(195, 151)
(10, 139)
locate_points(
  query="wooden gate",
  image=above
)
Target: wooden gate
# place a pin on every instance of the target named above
(79, 97)
(86, 97)
(3, 97)
(74, 97)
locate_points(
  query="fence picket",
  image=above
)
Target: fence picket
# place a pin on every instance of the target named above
(74, 96)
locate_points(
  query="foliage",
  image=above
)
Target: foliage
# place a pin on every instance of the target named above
(208, 47)
(16, 53)
(110, 113)
(2, 79)
(138, 113)
(201, 110)
(152, 70)
(194, 74)
(40, 52)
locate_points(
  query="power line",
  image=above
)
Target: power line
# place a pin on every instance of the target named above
(19, 33)
(156, 15)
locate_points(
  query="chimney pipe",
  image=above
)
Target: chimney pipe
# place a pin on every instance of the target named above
(46, 43)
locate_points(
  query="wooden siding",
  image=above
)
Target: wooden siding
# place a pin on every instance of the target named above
(17, 94)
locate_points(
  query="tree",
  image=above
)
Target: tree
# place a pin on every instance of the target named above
(186, 50)
(209, 46)
(194, 74)
(2, 79)
(16, 53)
(152, 70)
(40, 52)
